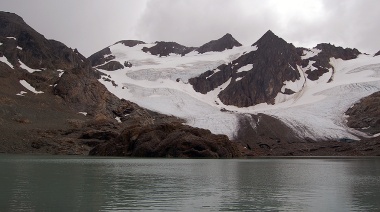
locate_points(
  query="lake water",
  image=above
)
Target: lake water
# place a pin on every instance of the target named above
(70, 183)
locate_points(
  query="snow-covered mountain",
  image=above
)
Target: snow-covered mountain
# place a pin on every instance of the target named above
(307, 89)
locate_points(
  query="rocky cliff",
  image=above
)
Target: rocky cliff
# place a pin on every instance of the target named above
(52, 67)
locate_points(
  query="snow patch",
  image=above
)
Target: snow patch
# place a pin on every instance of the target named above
(238, 79)
(5, 60)
(83, 113)
(214, 72)
(19, 48)
(21, 93)
(60, 72)
(12, 38)
(23, 66)
(29, 87)
(247, 67)
(308, 53)
(118, 119)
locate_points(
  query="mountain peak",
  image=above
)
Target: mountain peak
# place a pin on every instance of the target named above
(221, 44)
(227, 35)
(268, 37)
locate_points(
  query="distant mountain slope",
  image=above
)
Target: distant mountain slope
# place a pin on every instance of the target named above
(305, 89)
(105, 58)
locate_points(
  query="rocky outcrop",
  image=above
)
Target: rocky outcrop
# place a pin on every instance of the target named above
(168, 140)
(322, 59)
(223, 43)
(112, 66)
(265, 71)
(105, 55)
(165, 48)
(365, 114)
(130, 43)
(101, 57)
(377, 54)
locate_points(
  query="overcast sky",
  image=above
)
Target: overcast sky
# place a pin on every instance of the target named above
(90, 25)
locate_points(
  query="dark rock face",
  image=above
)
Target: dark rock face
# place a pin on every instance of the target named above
(365, 115)
(322, 60)
(111, 66)
(37, 51)
(168, 140)
(98, 58)
(165, 48)
(377, 54)
(225, 42)
(78, 86)
(274, 62)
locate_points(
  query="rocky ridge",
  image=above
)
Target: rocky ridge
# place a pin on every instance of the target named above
(103, 58)
(320, 63)
(223, 43)
(365, 114)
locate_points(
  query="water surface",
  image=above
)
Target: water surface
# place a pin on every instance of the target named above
(70, 183)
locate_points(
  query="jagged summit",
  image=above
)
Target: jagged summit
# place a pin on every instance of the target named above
(130, 43)
(221, 44)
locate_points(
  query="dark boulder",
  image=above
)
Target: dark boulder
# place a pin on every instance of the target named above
(168, 140)
(377, 54)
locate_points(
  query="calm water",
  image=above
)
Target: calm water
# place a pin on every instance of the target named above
(37, 183)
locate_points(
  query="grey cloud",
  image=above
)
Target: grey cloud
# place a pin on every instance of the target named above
(88, 25)
(200, 21)
(91, 25)
(349, 23)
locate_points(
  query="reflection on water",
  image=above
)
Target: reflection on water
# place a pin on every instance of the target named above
(36, 183)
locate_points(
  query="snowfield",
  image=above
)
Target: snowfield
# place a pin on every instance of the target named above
(315, 111)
